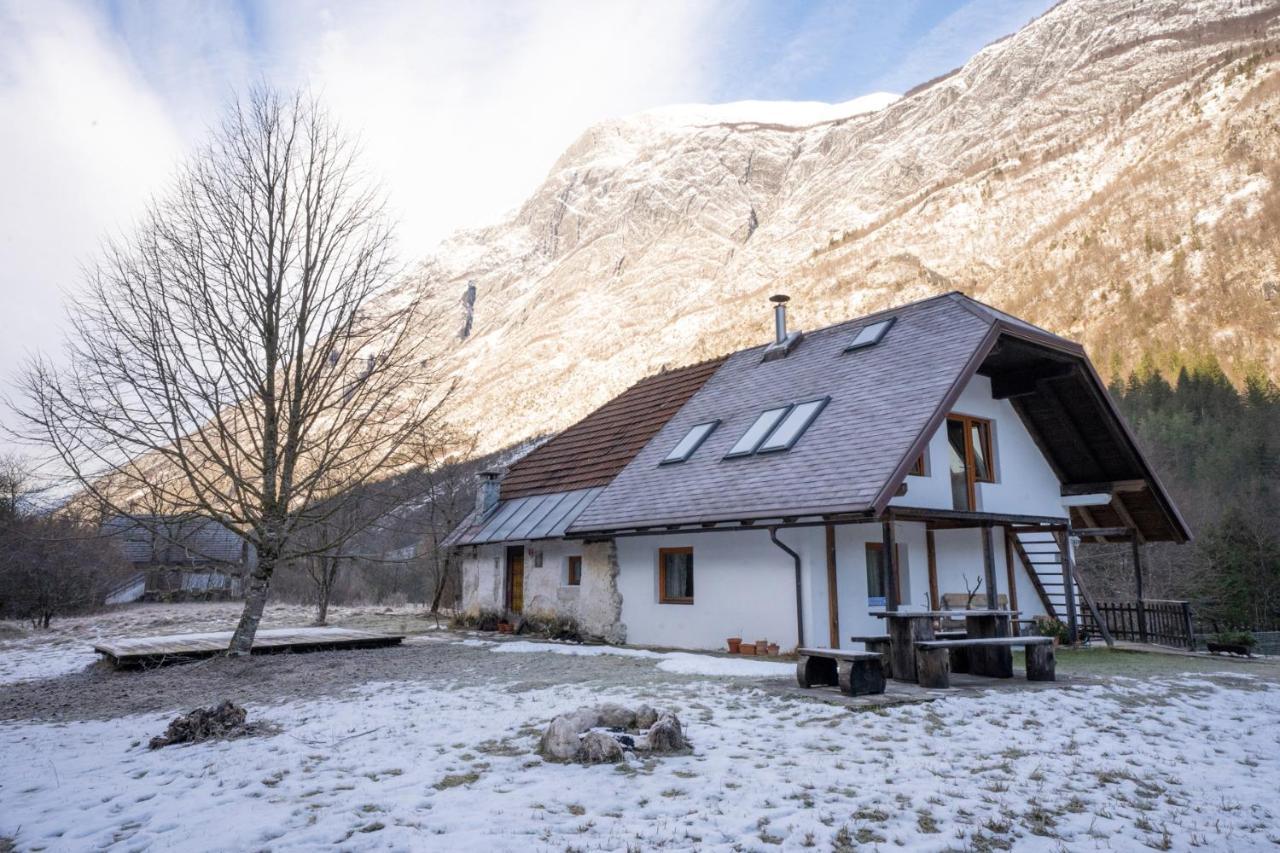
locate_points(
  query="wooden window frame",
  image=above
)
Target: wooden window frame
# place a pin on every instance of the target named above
(572, 578)
(988, 445)
(662, 574)
(918, 469)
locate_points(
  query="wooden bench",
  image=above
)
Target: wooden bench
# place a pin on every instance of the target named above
(855, 673)
(879, 643)
(933, 658)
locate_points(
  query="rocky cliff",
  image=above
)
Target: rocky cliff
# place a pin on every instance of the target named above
(1111, 172)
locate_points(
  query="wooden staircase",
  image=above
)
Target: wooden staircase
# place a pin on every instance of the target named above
(1043, 553)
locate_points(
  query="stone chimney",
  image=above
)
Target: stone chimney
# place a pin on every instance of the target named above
(489, 482)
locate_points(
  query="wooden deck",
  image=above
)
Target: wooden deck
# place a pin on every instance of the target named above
(152, 651)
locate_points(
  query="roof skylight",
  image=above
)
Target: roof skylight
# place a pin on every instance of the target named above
(787, 433)
(692, 440)
(870, 334)
(758, 432)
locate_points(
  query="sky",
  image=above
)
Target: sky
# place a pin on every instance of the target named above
(461, 108)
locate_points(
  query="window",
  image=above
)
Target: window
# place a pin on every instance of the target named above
(573, 571)
(757, 432)
(787, 433)
(870, 334)
(877, 578)
(675, 576)
(690, 443)
(918, 469)
(969, 440)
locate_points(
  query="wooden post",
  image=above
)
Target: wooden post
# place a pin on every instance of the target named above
(931, 550)
(989, 569)
(1190, 626)
(833, 601)
(1137, 582)
(1009, 569)
(1068, 584)
(890, 564)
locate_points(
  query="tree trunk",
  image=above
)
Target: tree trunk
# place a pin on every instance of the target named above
(255, 599)
(442, 579)
(325, 590)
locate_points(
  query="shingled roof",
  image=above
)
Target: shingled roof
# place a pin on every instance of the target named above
(592, 452)
(886, 401)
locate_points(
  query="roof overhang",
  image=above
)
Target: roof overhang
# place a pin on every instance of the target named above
(1065, 406)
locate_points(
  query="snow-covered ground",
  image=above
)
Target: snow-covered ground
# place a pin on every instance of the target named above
(1167, 763)
(31, 655)
(445, 759)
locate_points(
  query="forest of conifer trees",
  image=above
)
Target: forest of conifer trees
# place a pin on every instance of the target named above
(1217, 450)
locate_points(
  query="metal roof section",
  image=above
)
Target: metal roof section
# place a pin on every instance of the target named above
(521, 519)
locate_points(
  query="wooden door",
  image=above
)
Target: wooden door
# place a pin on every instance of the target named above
(515, 579)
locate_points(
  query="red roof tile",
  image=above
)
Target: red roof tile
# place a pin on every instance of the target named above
(593, 451)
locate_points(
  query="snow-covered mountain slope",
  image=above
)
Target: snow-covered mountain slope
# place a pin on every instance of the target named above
(1111, 172)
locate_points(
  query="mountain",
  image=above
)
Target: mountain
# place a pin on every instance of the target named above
(1110, 172)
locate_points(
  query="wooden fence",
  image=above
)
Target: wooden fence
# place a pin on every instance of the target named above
(1165, 623)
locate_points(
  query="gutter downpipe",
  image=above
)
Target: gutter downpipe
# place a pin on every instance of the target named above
(773, 536)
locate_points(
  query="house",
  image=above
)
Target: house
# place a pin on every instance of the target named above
(179, 558)
(912, 458)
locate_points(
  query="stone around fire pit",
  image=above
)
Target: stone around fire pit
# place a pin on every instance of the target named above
(606, 733)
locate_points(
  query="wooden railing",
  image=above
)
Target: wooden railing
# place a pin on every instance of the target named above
(1165, 623)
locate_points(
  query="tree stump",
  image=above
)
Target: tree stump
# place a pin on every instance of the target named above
(933, 668)
(1041, 663)
(861, 677)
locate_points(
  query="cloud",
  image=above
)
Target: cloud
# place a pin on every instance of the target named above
(461, 108)
(84, 144)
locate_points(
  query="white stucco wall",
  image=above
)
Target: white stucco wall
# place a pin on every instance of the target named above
(744, 586)
(1025, 484)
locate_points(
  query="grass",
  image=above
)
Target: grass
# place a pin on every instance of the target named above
(1102, 661)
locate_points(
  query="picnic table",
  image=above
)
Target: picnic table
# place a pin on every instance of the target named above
(908, 627)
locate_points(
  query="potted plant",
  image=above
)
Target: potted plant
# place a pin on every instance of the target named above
(735, 645)
(1233, 643)
(1049, 627)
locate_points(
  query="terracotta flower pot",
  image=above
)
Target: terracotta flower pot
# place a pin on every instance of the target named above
(735, 645)
(762, 647)
(773, 649)
(747, 649)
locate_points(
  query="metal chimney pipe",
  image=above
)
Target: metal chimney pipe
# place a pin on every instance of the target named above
(780, 316)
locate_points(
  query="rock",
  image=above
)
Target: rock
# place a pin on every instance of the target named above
(221, 721)
(616, 716)
(560, 740)
(665, 736)
(599, 748)
(645, 717)
(585, 719)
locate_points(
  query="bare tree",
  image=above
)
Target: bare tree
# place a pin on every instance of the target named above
(238, 358)
(450, 486)
(49, 564)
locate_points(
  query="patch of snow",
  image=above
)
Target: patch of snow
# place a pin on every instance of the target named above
(527, 647)
(790, 113)
(735, 667)
(31, 661)
(681, 663)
